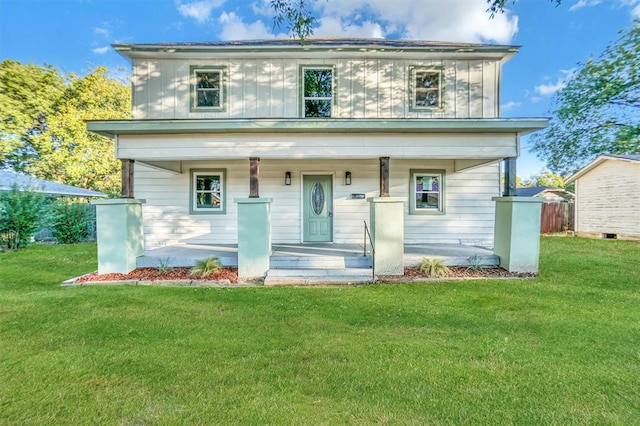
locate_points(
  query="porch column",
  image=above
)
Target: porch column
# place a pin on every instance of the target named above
(119, 234)
(384, 176)
(127, 178)
(517, 233)
(387, 227)
(254, 177)
(509, 177)
(254, 228)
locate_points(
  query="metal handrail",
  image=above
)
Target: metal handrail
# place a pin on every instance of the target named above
(373, 251)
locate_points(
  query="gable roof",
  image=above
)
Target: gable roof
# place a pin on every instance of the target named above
(535, 191)
(8, 179)
(601, 159)
(336, 45)
(530, 191)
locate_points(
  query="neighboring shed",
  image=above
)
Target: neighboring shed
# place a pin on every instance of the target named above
(607, 197)
(550, 194)
(8, 179)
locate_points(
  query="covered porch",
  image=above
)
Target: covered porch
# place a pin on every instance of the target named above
(317, 255)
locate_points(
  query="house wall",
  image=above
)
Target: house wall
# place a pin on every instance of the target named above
(607, 200)
(468, 219)
(269, 88)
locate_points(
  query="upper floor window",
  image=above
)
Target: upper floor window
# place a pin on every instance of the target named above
(427, 192)
(317, 91)
(425, 88)
(207, 88)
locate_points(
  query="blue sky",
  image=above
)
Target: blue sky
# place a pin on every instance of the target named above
(75, 35)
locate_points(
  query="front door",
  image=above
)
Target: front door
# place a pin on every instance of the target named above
(317, 208)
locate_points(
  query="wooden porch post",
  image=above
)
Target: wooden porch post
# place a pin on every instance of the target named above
(254, 177)
(127, 179)
(384, 176)
(509, 177)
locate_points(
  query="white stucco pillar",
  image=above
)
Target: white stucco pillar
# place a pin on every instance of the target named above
(254, 237)
(517, 233)
(119, 234)
(387, 233)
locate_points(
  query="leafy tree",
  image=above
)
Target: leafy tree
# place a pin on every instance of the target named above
(598, 111)
(28, 94)
(497, 6)
(51, 141)
(295, 15)
(70, 222)
(20, 217)
(543, 178)
(298, 19)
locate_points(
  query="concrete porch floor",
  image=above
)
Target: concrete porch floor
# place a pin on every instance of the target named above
(332, 255)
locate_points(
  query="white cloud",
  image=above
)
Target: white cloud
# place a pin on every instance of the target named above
(459, 21)
(100, 50)
(233, 28)
(510, 105)
(634, 5)
(551, 88)
(331, 26)
(102, 32)
(199, 10)
(584, 3)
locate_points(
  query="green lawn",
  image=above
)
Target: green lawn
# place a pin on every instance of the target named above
(561, 349)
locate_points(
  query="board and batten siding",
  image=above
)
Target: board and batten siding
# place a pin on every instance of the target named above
(608, 201)
(269, 88)
(469, 210)
(316, 145)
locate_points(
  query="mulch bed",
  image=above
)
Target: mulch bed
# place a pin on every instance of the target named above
(231, 274)
(462, 272)
(153, 274)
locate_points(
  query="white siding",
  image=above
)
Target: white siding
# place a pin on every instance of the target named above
(608, 201)
(468, 219)
(269, 88)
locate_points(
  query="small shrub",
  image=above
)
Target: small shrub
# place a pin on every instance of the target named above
(164, 265)
(475, 263)
(70, 222)
(21, 215)
(206, 267)
(433, 268)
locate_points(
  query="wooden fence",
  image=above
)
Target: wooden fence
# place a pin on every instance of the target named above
(557, 217)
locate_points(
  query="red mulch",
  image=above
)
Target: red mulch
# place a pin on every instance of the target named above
(231, 274)
(464, 272)
(153, 274)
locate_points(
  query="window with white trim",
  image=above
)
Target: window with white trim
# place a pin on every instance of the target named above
(207, 88)
(207, 191)
(425, 88)
(427, 192)
(317, 91)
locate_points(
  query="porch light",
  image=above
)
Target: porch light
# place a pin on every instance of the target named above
(347, 178)
(287, 178)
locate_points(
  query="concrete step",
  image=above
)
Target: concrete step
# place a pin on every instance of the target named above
(319, 262)
(317, 276)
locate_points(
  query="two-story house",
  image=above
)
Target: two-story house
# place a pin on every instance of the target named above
(318, 130)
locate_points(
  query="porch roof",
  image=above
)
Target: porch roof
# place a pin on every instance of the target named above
(521, 126)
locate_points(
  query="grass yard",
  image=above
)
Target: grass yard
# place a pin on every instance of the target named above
(561, 349)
